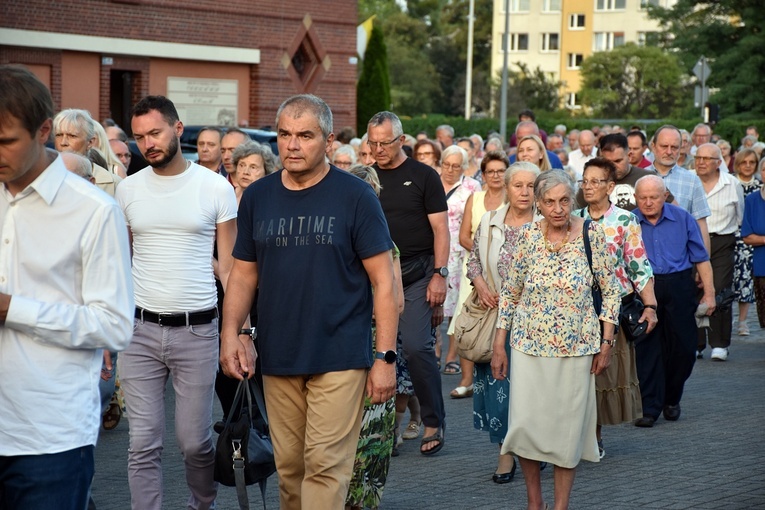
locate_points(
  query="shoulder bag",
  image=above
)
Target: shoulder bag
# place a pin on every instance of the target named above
(476, 325)
(244, 454)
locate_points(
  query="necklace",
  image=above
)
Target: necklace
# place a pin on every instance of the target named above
(552, 247)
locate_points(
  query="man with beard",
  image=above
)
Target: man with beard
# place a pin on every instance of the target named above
(175, 211)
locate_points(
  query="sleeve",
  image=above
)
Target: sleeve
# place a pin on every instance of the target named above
(699, 205)
(434, 196)
(697, 251)
(603, 271)
(226, 199)
(244, 247)
(739, 204)
(104, 319)
(370, 228)
(747, 224)
(511, 289)
(474, 269)
(639, 270)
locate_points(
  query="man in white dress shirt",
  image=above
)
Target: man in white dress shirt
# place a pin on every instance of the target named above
(65, 295)
(585, 152)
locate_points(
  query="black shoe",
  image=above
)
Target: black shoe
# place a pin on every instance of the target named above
(645, 422)
(672, 413)
(501, 478)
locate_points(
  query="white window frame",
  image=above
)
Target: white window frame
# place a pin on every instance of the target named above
(610, 5)
(547, 8)
(516, 5)
(643, 3)
(545, 46)
(571, 61)
(573, 21)
(608, 40)
(571, 102)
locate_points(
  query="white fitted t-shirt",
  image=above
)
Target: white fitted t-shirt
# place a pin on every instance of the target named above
(173, 220)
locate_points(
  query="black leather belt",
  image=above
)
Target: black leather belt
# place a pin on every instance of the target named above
(177, 319)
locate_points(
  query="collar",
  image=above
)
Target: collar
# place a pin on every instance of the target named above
(48, 182)
(668, 212)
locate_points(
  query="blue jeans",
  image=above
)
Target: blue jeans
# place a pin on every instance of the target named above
(190, 355)
(58, 481)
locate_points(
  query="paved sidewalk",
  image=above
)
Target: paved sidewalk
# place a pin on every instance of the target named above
(712, 458)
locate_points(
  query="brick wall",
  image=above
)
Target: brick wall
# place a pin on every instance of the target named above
(268, 25)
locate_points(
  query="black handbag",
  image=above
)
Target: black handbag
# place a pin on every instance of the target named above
(629, 317)
(244, 454)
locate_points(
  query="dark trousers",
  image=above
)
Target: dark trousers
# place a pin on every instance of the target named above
(58, 481)
(759, 295)
(721, 322)
(419, 350)
(666, 356)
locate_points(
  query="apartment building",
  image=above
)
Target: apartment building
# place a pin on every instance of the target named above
(557, 35)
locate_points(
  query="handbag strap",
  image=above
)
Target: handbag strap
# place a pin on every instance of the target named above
(490, 235)
(588, 252)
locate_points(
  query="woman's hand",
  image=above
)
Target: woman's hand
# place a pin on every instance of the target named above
(488, 298)
(602, 360)
(499, 356)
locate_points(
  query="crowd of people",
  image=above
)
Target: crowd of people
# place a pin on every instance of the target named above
(197, 271)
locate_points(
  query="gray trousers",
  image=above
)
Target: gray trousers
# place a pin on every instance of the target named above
(190, 355)
(419, 350)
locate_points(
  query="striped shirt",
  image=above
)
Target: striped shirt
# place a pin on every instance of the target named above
(726, 202)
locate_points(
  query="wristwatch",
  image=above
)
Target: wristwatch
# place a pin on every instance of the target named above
(443, 271)
(251, 332)
(611, 342)
(387, 356)
(650, 306)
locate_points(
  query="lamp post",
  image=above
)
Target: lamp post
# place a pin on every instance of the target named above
(503, 101)
(469, 72)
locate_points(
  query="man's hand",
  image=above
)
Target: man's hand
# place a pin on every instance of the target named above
(710, 302)
(5, 304)
(381, 382)
(649, 315)
(436, 293)
(237, 356)
(106, 371)
(438, 316)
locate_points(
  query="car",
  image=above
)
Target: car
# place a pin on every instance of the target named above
(190, 134)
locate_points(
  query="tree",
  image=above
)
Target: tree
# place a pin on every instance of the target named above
(527, 89)
(373, 89)
(632, 81)
(728, 32)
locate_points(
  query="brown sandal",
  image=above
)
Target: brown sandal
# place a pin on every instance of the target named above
(112, 417)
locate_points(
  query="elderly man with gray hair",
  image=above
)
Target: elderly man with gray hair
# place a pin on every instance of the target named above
(666, 356)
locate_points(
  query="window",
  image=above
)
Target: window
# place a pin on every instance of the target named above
(518, 42)
(604, 41)
(551, 6)
(648, 38)
(609, 5)
(571, 101)
(576, 22)
(575, 60)
(550, 42)
(519, 5)
(646, 3)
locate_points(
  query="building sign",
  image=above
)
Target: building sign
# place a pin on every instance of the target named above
(204, 101)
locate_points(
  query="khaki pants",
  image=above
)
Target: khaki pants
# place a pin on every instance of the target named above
(315, 423)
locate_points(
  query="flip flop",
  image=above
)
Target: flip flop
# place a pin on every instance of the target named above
(452, 368)
(438, 436)
(462, 392)
(111, 417)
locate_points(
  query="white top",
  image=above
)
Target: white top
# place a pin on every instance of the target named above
(726, 203)
(65, 260)
(576, 160)
(173, 220)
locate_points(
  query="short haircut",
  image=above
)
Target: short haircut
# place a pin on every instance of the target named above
(77, 119)
(24, 97)
(640, 135)
(603, 164)
(456, 149)
(159, 103)
(521, 166)
(494, 156)
(527, 113)
(347, 150)
(651, 178)
(467, 140)
(313, 104)
(430, 143)
(380, 118)
(252, 148)
(612, 142)
(230, 130)
(740, 155)
(548, 180)
(368, 175)
(664, 128)
(213, 129)
(346, 135)
(447, 128)
(701, 125)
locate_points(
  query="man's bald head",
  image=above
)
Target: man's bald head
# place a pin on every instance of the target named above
(586, 141)
(526, 128)
(79, 165)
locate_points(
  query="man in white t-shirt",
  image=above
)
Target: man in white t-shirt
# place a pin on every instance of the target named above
(175, 211)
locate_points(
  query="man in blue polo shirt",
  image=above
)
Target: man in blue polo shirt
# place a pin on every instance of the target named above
(674, 245)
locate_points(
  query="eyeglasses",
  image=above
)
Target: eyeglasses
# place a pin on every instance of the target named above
(447, 166)
(422, 153)
(748, 163)
(381, 144)
(493, 173)
(704, 159)
(595, 183)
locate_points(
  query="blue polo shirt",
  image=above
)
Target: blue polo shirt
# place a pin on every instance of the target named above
(754, 223)
(674, 244)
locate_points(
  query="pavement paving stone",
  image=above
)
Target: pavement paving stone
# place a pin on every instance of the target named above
(712, 458)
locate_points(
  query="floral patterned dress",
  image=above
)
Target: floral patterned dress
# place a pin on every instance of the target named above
(617, 388)
(491, 397)
(743, 280)
(456, 209)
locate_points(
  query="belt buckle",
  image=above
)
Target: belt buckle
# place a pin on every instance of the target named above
(159, 318)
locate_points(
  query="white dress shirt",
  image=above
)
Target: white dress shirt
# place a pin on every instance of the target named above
(726, 203)
(576, 161)
(65, 261)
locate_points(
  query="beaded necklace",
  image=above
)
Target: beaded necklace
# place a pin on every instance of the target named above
(552, 247)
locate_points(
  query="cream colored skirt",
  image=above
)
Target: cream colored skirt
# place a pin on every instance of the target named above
(552, 410)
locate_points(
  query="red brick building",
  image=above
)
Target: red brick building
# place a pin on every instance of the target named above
(221, 62)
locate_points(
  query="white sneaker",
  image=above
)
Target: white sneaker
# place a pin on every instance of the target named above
(719, 354)
(743, 329)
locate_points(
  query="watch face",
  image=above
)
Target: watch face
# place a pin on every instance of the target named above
(387, 356)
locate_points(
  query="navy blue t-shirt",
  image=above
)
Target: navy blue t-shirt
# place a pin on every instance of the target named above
(315, 298)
